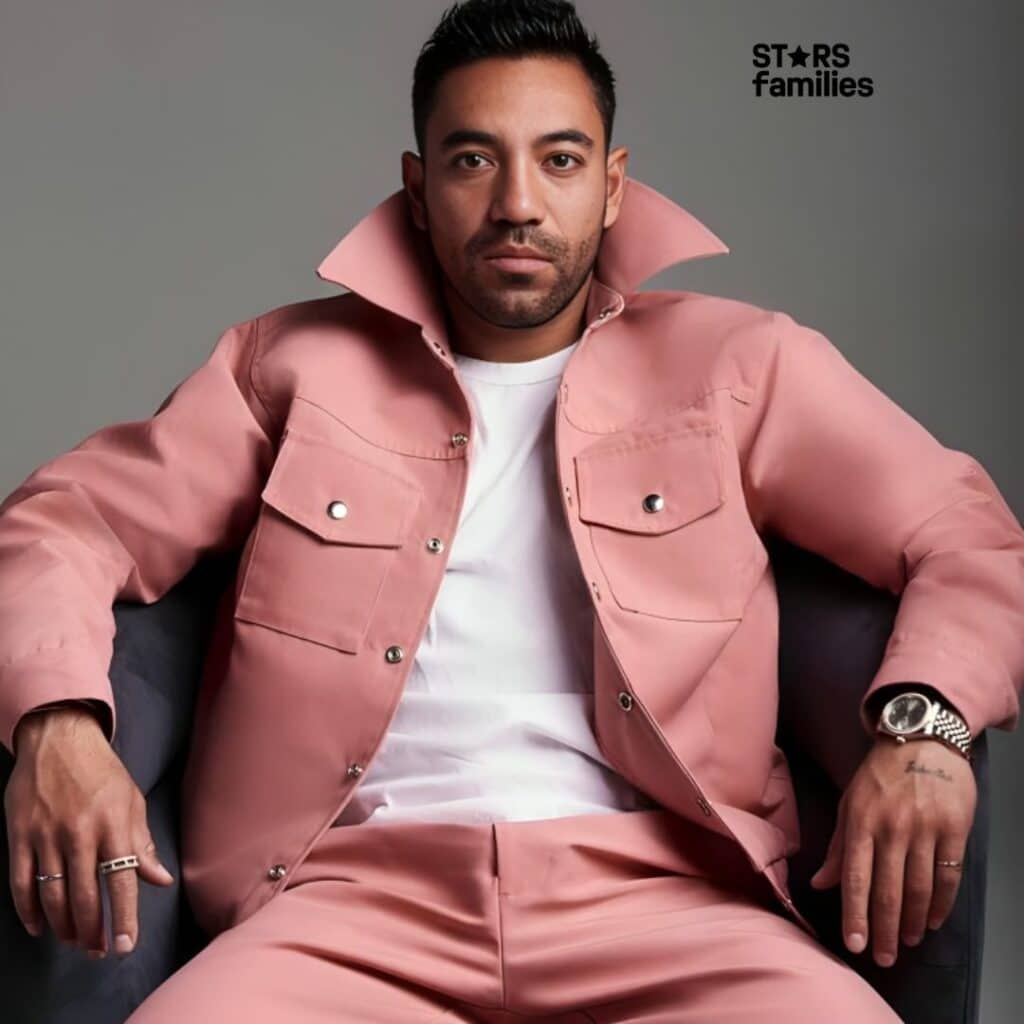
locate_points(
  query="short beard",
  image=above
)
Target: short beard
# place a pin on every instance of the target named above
(509, 308)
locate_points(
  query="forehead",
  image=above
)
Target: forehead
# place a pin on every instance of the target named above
(517, 98)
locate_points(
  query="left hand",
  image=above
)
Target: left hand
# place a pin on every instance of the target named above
(907, 805)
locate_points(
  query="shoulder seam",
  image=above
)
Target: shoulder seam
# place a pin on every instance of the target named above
(255, 324)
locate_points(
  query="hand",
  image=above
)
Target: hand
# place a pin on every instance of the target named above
(69, 804)
(907, 805)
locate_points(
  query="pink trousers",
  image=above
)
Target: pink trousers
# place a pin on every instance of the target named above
(635, 916)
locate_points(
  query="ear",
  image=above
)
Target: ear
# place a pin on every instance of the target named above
(412, 179)
(615, 174)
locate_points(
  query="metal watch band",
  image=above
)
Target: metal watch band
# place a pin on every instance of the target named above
(953, 729)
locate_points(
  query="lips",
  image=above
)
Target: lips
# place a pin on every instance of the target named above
(517, 260)
(517, 265)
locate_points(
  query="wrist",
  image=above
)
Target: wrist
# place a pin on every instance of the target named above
(914, 714)
(37, 725)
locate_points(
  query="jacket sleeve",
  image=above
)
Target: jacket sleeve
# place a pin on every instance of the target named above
(124, 515)
(836, 467)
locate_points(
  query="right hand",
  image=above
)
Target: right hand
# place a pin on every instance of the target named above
(69, 804)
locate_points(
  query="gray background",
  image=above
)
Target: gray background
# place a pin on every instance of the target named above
(170, 169)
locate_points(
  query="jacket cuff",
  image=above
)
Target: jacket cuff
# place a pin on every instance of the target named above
(980, 694)
(31, 685)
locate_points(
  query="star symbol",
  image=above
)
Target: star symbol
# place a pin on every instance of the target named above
(799, 57)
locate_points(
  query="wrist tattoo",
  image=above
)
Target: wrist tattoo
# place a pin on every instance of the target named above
(913, 766)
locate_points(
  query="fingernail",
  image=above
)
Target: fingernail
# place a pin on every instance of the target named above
(166, 873)
(123, 943)
(96, 954)
(886, 959)
(856, 942)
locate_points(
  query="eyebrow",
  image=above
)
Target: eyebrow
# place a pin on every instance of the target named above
(464, 135)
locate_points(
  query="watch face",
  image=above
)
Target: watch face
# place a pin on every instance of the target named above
(906, 712)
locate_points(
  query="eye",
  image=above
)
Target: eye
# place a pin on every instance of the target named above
(463, 156)
(570, 156)
(478, 156)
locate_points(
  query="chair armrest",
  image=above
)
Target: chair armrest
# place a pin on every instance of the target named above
(833, 630)
(156, 665)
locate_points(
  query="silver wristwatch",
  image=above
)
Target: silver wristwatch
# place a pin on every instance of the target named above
(913, 716)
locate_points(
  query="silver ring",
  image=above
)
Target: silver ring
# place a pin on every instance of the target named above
(958, 864)
(105, 867)
(118, 864)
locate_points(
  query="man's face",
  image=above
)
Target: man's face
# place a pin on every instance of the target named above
(511, 186)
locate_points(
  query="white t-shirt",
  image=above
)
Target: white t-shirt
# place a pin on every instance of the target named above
(495, 719)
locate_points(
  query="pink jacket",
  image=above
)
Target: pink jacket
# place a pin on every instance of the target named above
(327, 440)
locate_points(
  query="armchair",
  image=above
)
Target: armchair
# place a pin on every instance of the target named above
(833, 630)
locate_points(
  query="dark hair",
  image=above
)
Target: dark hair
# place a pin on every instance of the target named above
(474, 29)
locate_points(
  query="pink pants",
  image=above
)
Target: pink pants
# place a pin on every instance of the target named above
(636, 916)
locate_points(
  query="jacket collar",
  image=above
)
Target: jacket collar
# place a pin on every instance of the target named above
(386, 259)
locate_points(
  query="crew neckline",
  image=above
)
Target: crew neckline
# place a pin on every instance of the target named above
(529, 371)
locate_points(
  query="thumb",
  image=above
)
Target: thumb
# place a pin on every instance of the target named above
(829, 873)
(151, 868)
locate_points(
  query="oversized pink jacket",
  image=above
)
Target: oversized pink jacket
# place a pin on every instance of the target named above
(327, 440)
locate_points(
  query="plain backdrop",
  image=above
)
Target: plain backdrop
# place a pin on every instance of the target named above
(171, 169)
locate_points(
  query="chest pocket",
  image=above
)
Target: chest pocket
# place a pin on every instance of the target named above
(670, 540)
(327, 535)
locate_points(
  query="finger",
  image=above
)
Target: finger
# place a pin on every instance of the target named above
(858, 855)
(917, 889)
(151, 868)
(24, 891)
(53, 895)
(947, 879)
(887, 896)
(85, 896)
(123, 890)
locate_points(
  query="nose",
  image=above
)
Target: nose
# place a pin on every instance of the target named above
(517, 194)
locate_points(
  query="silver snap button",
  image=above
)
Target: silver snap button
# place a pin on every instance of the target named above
(355, 770)
(625, 701)
(277, 871)
(654, 503)
(394, 654)
(337, 510)
(434, 545)
(459, 439)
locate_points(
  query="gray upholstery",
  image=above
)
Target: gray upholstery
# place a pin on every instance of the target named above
(833, 631)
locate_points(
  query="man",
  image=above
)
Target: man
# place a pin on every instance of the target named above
(503, 617)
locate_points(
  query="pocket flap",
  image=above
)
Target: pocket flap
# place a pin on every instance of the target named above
(311, 479)
(684, 468)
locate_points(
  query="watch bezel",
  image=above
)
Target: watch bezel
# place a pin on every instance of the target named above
(884, 720)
